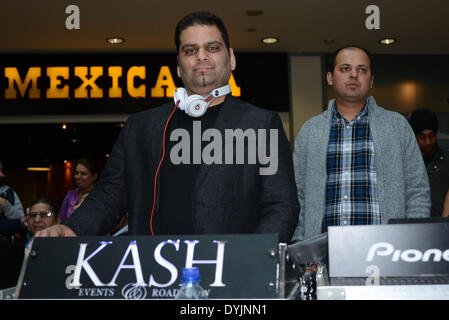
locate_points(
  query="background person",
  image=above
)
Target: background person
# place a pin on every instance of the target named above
(10, 205)
(42, 215)
(425, 125)
(356, 163)
(85, 175)
(12, 218)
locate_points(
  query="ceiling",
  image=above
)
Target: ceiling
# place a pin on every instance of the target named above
(302, 26)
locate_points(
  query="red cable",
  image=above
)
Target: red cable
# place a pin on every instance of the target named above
(158, 167)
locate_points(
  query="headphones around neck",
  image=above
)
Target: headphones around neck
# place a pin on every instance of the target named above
(196, 105)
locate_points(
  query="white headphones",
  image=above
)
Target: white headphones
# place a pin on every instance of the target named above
(196, 105)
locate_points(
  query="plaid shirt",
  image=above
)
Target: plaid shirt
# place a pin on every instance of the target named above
(351, 197)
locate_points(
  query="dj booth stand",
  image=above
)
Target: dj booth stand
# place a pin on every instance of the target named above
(384, 292)
(280, 271)
(388, 262)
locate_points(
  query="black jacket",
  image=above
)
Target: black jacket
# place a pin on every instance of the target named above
(438, 171)
(226, 198)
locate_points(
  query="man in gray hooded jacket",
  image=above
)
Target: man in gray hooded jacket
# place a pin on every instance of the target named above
(10, 205)
(356, 163)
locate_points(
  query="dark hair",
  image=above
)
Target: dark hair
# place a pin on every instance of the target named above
(423, 119)
(89, 163)
(201, 18)
(49, 202)
(333, 57)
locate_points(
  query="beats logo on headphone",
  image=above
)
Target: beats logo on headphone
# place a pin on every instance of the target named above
(196, 105)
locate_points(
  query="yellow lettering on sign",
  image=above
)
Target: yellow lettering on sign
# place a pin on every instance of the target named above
(59, 86)
(55, 73)
(164, 81)
(13, 77)
(136, 72)
(235, 90)
(115, 73)
(95, 91)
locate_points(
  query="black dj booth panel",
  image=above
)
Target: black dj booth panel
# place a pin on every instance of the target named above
(144, 267)
(416, 253)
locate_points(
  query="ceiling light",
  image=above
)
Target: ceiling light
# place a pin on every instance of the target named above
(387, 41)
(270, 40)
(37, 162)
(115, 40)
(38, 168)
(38, 165)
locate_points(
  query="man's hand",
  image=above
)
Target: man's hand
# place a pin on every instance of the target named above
(58, 230)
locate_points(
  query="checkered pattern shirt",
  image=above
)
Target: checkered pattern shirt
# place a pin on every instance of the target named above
(351, 196)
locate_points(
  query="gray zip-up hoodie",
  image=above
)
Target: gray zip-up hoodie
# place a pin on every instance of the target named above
(12, 211)
(402, 182)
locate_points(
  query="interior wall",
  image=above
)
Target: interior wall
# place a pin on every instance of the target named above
(403, 83)
(306, 87)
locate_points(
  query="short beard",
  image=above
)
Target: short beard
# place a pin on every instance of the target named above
(204, 79)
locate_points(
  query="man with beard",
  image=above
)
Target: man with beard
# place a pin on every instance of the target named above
(167, 197)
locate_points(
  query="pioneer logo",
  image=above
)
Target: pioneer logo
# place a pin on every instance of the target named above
(386, 249)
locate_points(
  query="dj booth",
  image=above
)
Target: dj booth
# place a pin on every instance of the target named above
(395, 261)
(145, 267)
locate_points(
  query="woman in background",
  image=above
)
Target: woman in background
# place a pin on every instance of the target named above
(86, 172)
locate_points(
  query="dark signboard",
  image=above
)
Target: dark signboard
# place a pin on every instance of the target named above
(143, 267)
(61, 84)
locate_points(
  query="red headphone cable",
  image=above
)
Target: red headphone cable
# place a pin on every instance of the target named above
(158, 167)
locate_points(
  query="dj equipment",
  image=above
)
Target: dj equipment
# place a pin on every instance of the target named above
(393, 254)
(419, 220)
(241, 266)
(395, 261)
